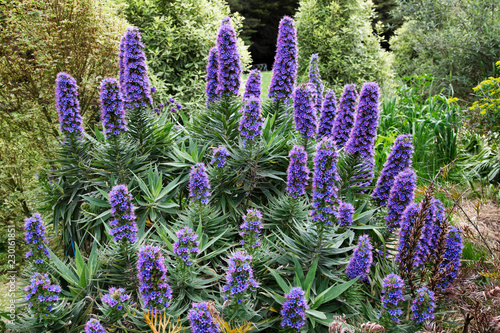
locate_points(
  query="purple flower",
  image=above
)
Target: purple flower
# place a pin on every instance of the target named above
(250, 229)
(327, 115)
(297, 173)
(239, 277)
(94, 326)
(324, 197)
(41, 295)
(251, 121)
(439, 221)
(392, 294)
(305, 111)
(135, 85)
(344, 119)
(186, 245)
(293, 312)
(252, 87)
(425, 246)
(423, 305)
(400, 196)
(122, 215)
(408, 219)
(116, 299)
(220, 156)
(229, 60)
(345, 213)
(201, 320)
(285, 62)
(315, 80)
(451, 263)
(212, 75)
(398, 160)
(68, 106)
(152, 275)
(198, 183)
(113, 114)
(35, 239)
(361, 260)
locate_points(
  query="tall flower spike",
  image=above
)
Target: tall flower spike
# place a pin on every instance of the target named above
(198, 183)
(252, 87)
(285, 62)
(94, 326)
(327, 117)
(121, 63)
(423, 305)
(36, 240)
(361, 260)
(250, 229)
(113, 114)
(187, 245)
(398, 160)
(116, 299)
(251, 120)
(408, 220)
(297, 173)
(229, 60)
(392, 295)
(41, 295)
(453, 252)
(152, 275)
(135, 87)
(344, 119)
(212, 75)
(122, 215)
(305, 118)
(345, 213)
(439, 222)
(324, 196)
(293, 312)
(315, 79)
(400, 196)
(220, 156)
(239, 278)
(201, 320)
(68, 106)
(425, 245)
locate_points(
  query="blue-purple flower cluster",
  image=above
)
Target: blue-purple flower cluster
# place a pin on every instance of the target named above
(398, 160)
(423, 305)
(201, 319)
(252, 87)
(361, 260)
(285, 62)
(293, 312)
(315, 80)
(439, 220)
(344, 119)
(250, 229)
(198, 183)
(113, 114)
(425, 246)
(345, 214)
(239, 278)
(297, 173)
(327, 117)
(220, 156)
(229, 60)
(186, 245)
(68, 106)
(400, 196)
(35, 239)
(392, 294)
(41, 294)
(324, 196)
(94, 326)
(451, 263)
(116, 299)
(305, 118)
(152, 274)
(408, 219)
(251, 120)
(122, 215)
(212, 75)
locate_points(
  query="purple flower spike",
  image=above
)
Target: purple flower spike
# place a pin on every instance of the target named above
(212, 75)
(297, 173)
(305, 119)
(220, 156)
(229, 60)
(36, 240)
(122, 215)
(201, 320)
(116, 299)
(293, 312)
(94, 326)
(392, 294)
(345, 213)
(152, 275)
(344, 119)
(324, 197)
(425, 246)
(452, 255)
(239, 278)
(252, 87)
(250, 229)
(285, 62)
(327, 115)
(41, 295)
(408, 220)
(423, 305)
(113, 114)
(361, 260)
(398, 160)
(198, 184)
(187, 245)
(251, 121)
(439, 221)
(135, 86)
(400, 196)
(68, 106)
(315, 80)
